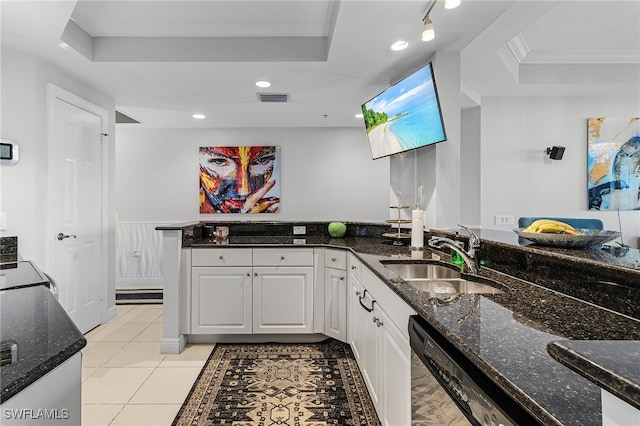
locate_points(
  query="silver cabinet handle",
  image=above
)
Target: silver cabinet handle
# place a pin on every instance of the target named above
(248, 274)
(353, 267)
(281, 257)
(255, 274)
(341, 278)
(62, 236)
(333, 259)
(221, 257)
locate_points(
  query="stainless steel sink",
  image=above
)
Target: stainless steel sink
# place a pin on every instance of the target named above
(452, 286)
(420, 271)
(437, 279)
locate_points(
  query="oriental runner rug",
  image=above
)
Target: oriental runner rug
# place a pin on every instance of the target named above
(314, 384)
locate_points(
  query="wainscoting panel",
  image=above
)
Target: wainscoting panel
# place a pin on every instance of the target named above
(138, 255)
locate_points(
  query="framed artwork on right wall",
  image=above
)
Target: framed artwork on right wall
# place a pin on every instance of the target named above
(613, 163)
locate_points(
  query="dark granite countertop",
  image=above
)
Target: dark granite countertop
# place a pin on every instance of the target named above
(505, 335)
(612, 365)
(33, 321)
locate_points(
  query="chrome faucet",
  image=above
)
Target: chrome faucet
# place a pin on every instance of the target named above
(470, 257)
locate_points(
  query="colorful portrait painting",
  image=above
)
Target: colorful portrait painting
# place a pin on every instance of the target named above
(239, 179)
(613, 163)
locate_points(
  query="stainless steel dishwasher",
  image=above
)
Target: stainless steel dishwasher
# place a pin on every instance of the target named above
(448, 390)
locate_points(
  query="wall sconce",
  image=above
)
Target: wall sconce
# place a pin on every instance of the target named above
(556, 152)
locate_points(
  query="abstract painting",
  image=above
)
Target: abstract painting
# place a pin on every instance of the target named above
(613, 163)
(239, 179)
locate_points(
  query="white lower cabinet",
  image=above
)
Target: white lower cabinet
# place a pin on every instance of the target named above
(282, 300)
(380, 347)
(221, 300)
(335, 294)
(52, 400)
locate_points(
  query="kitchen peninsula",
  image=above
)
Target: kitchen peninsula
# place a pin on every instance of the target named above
(549, 295)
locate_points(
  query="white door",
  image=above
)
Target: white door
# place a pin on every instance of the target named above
(76, 254)
(335, 303)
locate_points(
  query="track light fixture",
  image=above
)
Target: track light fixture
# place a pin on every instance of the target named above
(428, 31)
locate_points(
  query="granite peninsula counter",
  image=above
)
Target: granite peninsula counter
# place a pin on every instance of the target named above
(38, 339)
(505, 335)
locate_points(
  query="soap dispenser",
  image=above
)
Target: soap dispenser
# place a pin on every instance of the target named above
(455, 256)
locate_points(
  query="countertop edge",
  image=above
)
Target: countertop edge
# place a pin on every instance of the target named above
(36, 373)
(600, 375)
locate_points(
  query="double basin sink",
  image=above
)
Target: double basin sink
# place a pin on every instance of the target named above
(437, 278)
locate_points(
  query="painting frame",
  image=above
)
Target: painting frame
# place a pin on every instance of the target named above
(243, 179)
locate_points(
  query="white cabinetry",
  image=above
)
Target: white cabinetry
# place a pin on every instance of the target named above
(335, 294)
(378, 321)
(54, 399)
(221, 291)
(282, 291)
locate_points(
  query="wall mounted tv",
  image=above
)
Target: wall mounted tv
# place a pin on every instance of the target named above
(405, 116)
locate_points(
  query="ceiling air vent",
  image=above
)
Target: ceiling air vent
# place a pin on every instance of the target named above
(273, 97)
(122, 118)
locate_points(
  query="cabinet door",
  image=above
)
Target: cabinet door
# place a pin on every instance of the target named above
(335, 304)
(282, 300)
(395, 362)
(221, 300)
(355, 319)
(371, 349)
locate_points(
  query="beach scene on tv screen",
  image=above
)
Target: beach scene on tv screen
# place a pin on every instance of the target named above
(405, 116)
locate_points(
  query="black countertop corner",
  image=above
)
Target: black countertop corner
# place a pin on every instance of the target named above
(35, 324)
(612, 365)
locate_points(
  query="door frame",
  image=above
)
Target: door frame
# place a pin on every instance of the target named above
(55, 92)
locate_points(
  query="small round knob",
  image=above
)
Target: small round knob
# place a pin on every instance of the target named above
(255, 274)
(221, 257)
(341, 278)
(353, 267)
(358, 293)
(281, 257)
(333, 259)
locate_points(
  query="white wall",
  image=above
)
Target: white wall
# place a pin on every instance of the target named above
(326, 174)
(24, 81)
(519, 179)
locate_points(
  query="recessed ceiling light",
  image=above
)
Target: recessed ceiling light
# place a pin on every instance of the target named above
(198, 116)
(359, 115)
(263, 84)
(399, 45)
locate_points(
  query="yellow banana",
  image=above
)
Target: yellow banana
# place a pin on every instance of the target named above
(550, 226)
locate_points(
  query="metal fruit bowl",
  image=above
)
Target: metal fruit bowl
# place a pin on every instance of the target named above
(590, 238)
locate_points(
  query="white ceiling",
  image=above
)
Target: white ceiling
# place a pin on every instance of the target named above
(164, 60)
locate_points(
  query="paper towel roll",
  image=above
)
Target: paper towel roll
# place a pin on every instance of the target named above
(417, 228)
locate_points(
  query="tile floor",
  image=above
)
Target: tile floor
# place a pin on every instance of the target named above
(126, 381)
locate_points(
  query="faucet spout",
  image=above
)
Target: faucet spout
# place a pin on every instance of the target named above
(470, 257)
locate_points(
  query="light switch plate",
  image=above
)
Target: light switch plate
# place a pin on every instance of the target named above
(299, 230)
(504, 219)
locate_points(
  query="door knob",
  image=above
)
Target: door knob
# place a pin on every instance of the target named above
(62, 236)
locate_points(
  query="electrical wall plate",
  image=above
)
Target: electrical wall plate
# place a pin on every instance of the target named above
(9, 152)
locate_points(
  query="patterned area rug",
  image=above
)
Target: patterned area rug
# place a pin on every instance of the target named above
(279, 384)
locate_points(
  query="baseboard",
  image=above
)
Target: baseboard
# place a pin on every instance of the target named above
(139, 296)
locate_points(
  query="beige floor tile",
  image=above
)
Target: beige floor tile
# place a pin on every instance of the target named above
(147, 415)
(137, 354)
(191, 356)
(145, 315)
(87, 371)
(159, 319)
(113, 385)
(153, 333)
(125, 332)
(99, 414)
(157, 389)
(96, 353)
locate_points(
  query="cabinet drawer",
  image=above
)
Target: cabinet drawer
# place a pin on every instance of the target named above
(335, 259)
(221, 257)
(283, 257)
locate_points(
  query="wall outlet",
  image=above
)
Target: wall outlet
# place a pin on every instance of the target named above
(504, 219)
(299, 230)
(3, 221)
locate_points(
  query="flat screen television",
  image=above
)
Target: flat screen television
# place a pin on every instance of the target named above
(405, 116)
